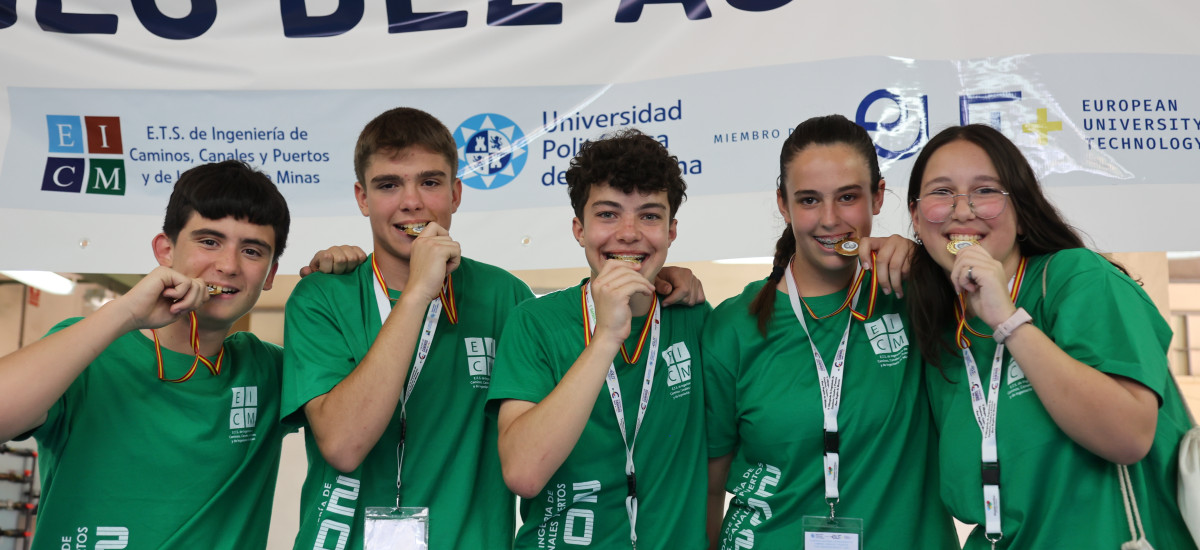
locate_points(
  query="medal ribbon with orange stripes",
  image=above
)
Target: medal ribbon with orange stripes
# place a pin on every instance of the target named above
(854, 288)
(214, 368)
(587, 331)
(959, 311)
(446, 296)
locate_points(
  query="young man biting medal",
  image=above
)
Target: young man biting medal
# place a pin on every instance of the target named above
(156, 427)
(597, 387)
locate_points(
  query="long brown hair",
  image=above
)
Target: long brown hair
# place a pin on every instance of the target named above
(822, 130)
(1041, 230)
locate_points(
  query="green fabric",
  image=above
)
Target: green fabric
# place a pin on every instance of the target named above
(763, 405)
(451, 463)
(165, 465)
(543, 339)
(1053, 492)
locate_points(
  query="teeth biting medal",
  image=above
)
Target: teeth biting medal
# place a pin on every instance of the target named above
(847, 247)
(413, 229)
(959, 242)
(631, 258)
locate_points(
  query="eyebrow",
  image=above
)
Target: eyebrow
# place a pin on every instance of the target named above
(947, 179)
(204, 232)
(618, 206)
(421, 175)
(842, 189)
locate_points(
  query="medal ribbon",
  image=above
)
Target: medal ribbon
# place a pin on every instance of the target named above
(587, 332)
(614, 392)
(384, 302)
(1014, 286)
(446, 295)
(984, 409)
(859, 273)
(830, 380)
(194, 337)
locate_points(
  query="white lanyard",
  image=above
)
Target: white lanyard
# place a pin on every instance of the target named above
(830, 381)
(431, 320)
(985, 417)
(614, 392)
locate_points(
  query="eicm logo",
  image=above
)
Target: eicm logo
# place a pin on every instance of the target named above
(85, 155)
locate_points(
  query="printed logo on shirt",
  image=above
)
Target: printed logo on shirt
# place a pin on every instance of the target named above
(888, 339)
(243, 414)
(679, 370)
(104, 538)
(481, 353)
(337, 513)
(577, 526)
(1015, 380)
(750, 507)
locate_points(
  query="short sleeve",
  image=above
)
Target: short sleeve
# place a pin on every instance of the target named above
(1102, 318)
(523, 368)
(316, 356)
(719, 349)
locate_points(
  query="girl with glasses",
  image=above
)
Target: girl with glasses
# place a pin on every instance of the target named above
(1050, 361)
(817, 420)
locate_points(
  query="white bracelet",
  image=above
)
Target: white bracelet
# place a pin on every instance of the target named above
(1005, 329)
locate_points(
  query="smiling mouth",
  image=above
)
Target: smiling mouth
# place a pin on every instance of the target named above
(631, 258)
(959, 242)
(214, 290)
(412, 229)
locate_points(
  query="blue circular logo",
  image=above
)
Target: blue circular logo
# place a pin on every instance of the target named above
(491, 151)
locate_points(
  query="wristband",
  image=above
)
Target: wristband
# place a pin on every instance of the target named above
(1005, 329)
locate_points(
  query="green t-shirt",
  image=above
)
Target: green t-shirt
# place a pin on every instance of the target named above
(583, 503)
(451, 464)
(1053, 492)
(763, 405)
(136, 462)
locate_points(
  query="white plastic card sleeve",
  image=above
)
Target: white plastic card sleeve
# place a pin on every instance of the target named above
(823, 533)
(405, 528)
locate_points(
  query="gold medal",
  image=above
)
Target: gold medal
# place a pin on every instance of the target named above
(848, 247)
(413, 229)
(958, 244)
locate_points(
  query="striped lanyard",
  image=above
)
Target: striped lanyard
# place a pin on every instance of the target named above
(830, 380)
(194, 337)
(653, 323)
(384, 302)
(984, 408)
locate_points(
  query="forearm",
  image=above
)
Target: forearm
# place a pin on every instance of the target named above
(348, 421)
(536, 438)
(35, 376)
(1113, 417)
(718, 473)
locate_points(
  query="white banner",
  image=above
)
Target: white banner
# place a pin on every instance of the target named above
(88, 162)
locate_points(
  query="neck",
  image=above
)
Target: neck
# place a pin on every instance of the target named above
(177, 337)
(395, 270)
(812, 281)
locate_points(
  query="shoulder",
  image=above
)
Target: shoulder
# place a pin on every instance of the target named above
(735, 310)
(322, 284)
(1078, 269)
(248, 342)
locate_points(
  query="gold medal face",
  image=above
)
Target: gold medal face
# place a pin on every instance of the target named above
(413, 229)
(954, 246)
(848, 247)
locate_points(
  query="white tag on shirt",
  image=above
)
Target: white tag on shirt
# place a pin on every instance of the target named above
(388, 528)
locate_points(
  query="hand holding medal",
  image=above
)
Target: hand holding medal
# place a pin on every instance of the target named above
(434, 256)
(162, 297)
(983, 284)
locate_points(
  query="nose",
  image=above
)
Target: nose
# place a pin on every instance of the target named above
(410, 198)
(828, 215)
(627, 231)
(966, 212)
(226, 261)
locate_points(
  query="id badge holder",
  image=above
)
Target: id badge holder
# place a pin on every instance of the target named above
(826, 533)
(388, 528)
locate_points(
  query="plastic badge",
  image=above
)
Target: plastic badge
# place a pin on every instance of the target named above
(388, 528)
(823, 533)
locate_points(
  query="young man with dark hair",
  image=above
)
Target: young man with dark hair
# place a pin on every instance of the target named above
(598, 388)
(156, 427)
